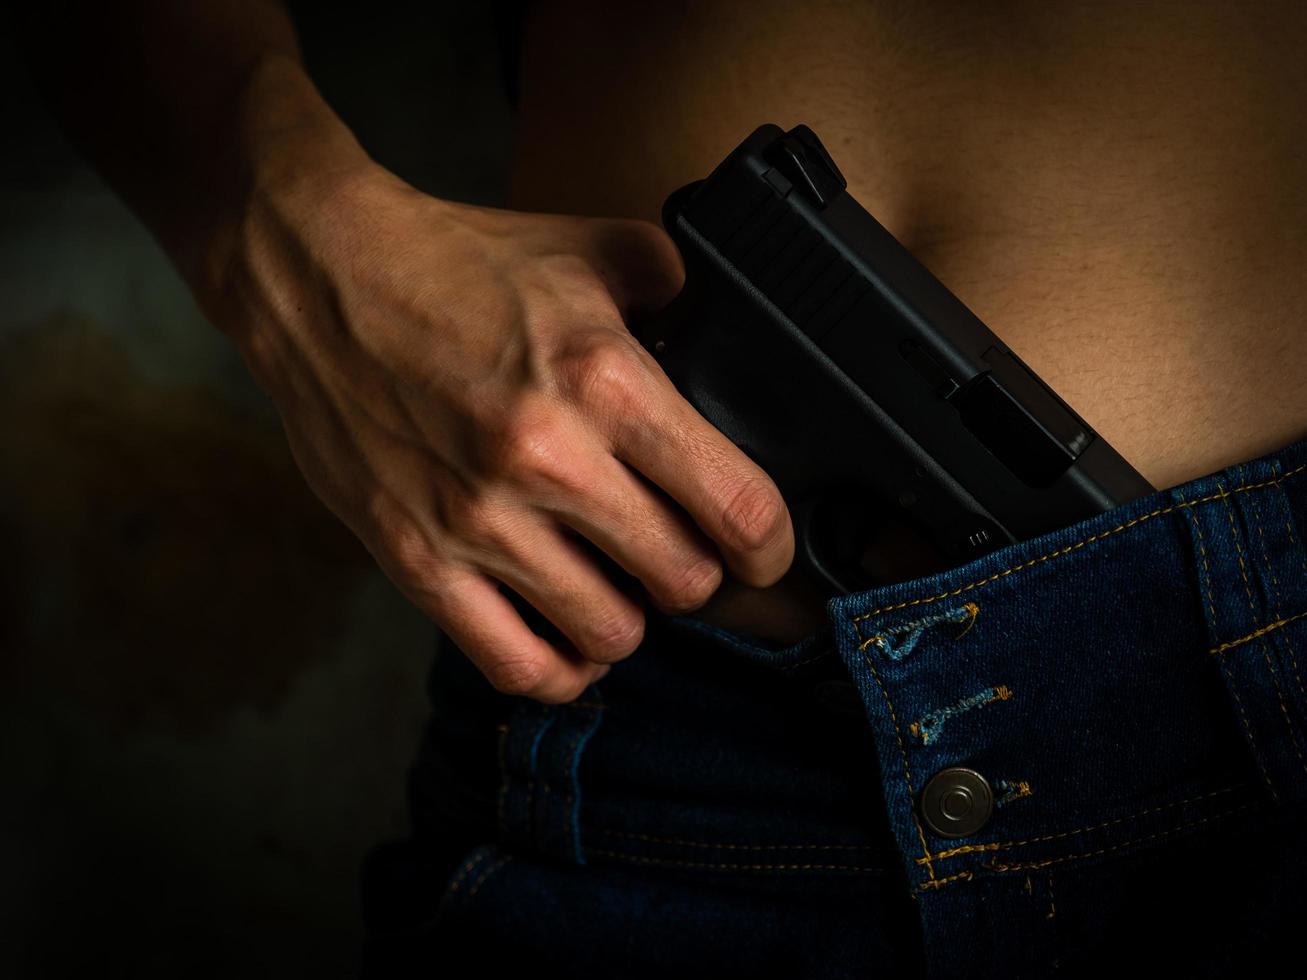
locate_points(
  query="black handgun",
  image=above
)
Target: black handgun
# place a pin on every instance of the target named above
(905, 437)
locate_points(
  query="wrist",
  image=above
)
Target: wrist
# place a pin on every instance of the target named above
(288, 153)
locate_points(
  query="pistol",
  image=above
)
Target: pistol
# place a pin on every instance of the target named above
(904, 436)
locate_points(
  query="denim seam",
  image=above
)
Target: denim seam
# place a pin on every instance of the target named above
(938, 882)
(1134, 522)
(1019, 866)
(1003, 845)
(1302, 557)
(907, 775)
(485, 875)
(1225, 671)
(480, 857)
(572, 797)
(809, 660)
(1256, 634)
(531, 775)
(1266, 651)
(1293, 542)
(1238, 551)
(712, 866)
(1294, 735)
(683, 842)
(1276, 601)
(1284, 708)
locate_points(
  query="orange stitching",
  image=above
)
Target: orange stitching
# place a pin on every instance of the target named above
(1115, 847)
(1238, 551)
(928, 726)
(1266, 652)
(907, 776)
(861, 869)
(731, 847)
(1229, 678)
(1293, 659)
(1016, 791)
(1079, 544)
(970, 609)
(1302, 557)
(938, 882)
(1256, 754)
(471, 893)
(1003, 845)
(463, 871)
(1275, 592)
(1207, 569)
(1293, 540)
(1269, 627)
(974, 609)
(1052, 909)
(1284, 710)
(1016, 568)
(1266, 555)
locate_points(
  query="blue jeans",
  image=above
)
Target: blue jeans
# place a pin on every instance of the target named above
(1079, 755)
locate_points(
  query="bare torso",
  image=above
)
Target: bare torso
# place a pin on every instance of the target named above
(1119, 190)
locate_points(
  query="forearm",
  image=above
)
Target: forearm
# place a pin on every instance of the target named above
(187, 110)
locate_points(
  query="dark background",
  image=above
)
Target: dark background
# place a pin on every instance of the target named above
(209, 696)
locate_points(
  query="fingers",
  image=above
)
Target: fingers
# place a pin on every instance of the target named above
(554, 572)
(483, 623)
(621, 396)
(640, 529)
(729, 496)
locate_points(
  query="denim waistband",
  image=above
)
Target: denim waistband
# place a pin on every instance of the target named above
(1117, 682)
(1114, 686)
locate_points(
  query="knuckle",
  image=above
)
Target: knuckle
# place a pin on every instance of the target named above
(605, 376)
(694, 587)
(753, 516)
(615, 636)
(527, 446)
(562, 694)
(517, 675)
(404, 544)
(480, 522)
(423, 576)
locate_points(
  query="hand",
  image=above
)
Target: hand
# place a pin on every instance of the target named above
(458, 385)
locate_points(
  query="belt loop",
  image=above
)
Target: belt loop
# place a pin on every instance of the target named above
(540, 795)
(1252, 577)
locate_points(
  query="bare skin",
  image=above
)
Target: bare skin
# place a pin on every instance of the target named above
(1118, 189)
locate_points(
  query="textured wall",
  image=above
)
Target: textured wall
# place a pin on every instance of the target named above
(208, 696)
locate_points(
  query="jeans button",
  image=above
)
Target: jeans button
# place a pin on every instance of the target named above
(956, 802)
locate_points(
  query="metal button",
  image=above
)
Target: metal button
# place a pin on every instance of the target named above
(956, 802)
